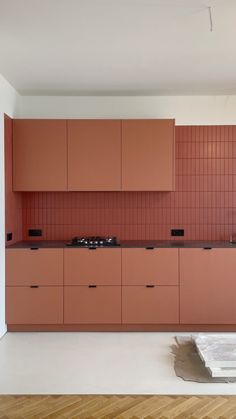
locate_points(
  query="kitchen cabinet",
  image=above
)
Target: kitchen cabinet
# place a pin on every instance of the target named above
(150, 304)
(207, 286)
(34, 291)
(150, 292)
(148, 155)
(39, 155)
(150, 266)
(34, 267)
(94, 155)
(92, 292)
(92, 304)
(120, 286)
(27, 305)
(92, 266)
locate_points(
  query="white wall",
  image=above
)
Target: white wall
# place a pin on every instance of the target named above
(187, 110)
(8, 103)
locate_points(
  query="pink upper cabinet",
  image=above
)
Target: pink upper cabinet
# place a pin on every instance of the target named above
(148, 155)
(207, 286)
(150, 267)
(39, 155)
(94, 155)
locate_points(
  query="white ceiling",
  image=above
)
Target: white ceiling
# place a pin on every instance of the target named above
(103, 47)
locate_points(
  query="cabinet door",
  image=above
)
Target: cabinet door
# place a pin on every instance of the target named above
(207, 286)
(92, 267)
(142, 304)
(99, 305)
(39, 155)
(34, 267)
(26, 305)
(148, 155)
(94, 155)
(150, 267)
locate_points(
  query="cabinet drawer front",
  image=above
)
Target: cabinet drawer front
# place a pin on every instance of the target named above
(101, 305)
(34, 267)
(150, 266)
(150, 305)
(87, 267)
(25, 305)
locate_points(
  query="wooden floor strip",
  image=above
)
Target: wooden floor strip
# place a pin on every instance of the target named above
(117, 407)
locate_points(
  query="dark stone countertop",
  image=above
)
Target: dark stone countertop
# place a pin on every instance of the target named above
(45, 244)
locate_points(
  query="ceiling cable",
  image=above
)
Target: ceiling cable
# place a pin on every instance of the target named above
(210, 18)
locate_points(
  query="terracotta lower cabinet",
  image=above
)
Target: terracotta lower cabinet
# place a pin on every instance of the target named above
(148, 155)
(34, 292)
(92, 305)
(92, 292)
(207, 286)
(150, 292)
(42, 305)
(150, 305)
(150, 266)
(92, 266)
(39, 155)
(34, 266)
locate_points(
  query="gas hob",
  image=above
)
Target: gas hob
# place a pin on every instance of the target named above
(93, 241)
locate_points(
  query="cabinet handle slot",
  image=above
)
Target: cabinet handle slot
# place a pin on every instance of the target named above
(207, 248)
(149, 248)
(34, 248)
(34, 286)
(92, 248)
(92, 286)
(150, 286)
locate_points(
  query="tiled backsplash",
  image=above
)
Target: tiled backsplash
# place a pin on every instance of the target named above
(204, 203)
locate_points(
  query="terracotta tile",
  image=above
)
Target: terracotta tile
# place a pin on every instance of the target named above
(234, 150)
(194, 199)
(234, 200)
(229, 199)
(226, 166)
(195, 183)
(234, 166)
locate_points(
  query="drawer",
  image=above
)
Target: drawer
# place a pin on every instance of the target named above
(34, 267)
(101, 305)
(96, 266)
(150, 266)
(141, 304)
(42, 305)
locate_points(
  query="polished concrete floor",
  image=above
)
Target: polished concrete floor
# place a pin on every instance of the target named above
(94, 363)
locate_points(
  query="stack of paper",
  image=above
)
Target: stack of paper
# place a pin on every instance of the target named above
(218, 352)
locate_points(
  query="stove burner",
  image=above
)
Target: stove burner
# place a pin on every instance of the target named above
(93, 241)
